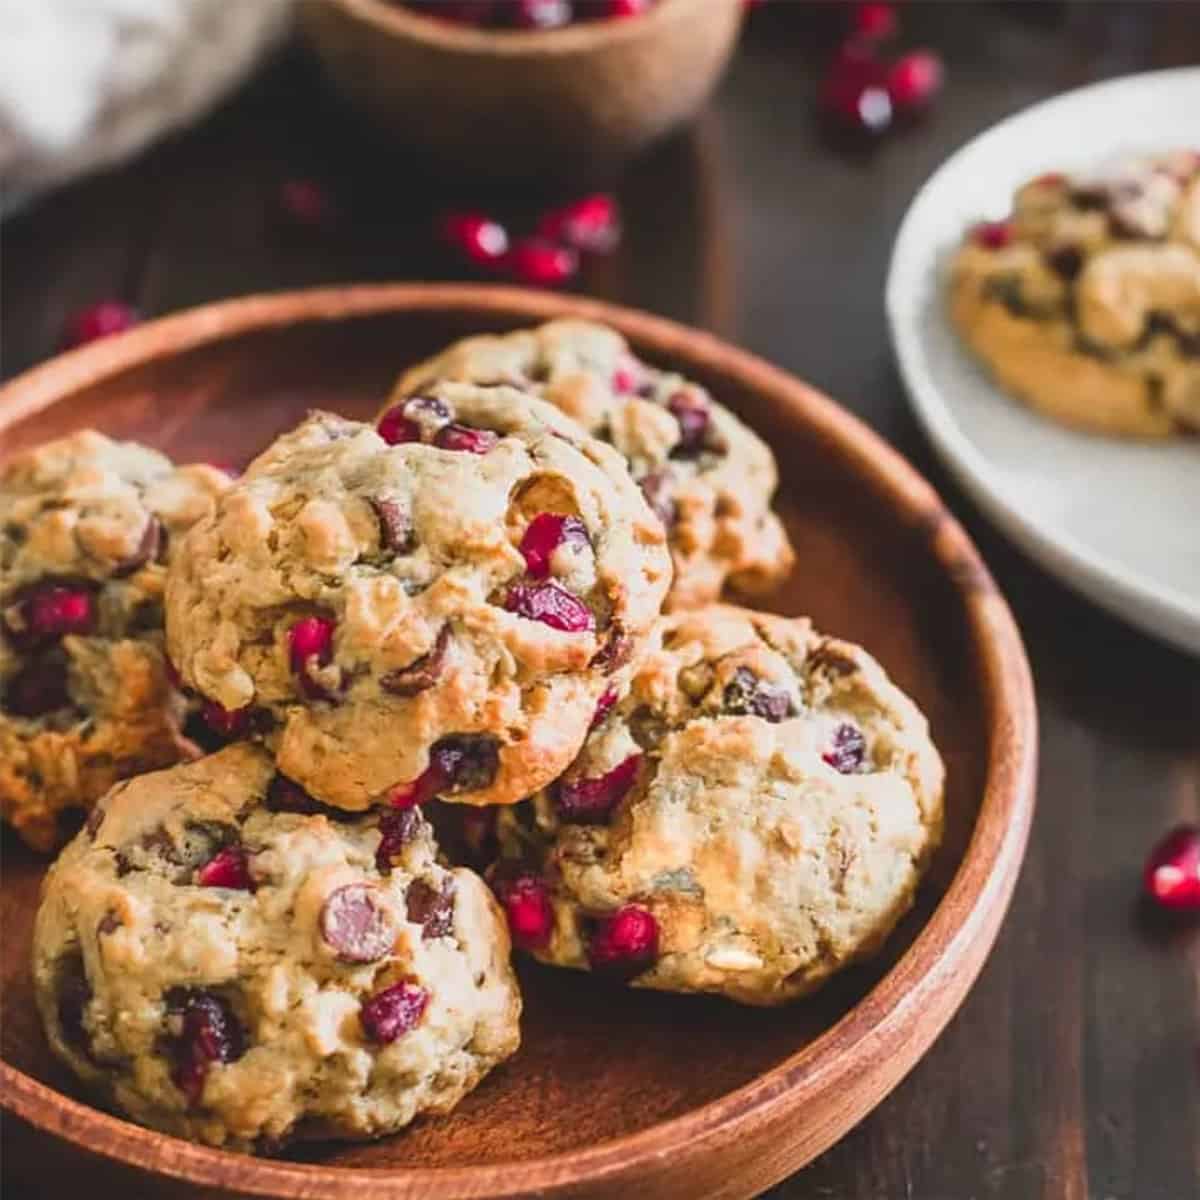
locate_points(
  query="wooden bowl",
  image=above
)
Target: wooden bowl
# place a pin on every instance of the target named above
(554, 104)
(615, 1092)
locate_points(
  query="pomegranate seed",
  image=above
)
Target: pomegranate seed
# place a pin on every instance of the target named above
(538, 14)
(306, 204)
(476, 236)
(627, 941)
(855, 91)
(591, 801)
(914, 80)
(875, 21)
(310, 645)
(208, 1033)
(464, 439)
(551, 604)
(1172, 875)
(397, 827)
(395, 428)
(54, 611)
(408, 795)
(526, 903)
(393, 1012)
(628, 377)
(993, 235)
(100, 320)
(228, 868)
(592, 224)
(37, 689)
(543, 536)
(229, 723)
(848, 750)
(603, 706)
(535, 261)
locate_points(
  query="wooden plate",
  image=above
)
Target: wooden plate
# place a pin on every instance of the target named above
(615, 1092)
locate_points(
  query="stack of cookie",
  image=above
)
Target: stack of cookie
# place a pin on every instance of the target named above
(452, 618)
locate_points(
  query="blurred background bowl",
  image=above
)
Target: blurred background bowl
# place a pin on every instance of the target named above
(546, 106)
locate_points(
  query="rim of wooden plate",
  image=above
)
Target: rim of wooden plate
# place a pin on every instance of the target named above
(893, 1025)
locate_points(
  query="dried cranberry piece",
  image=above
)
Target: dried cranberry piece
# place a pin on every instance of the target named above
(464, 439)
(1172, 874)
(51, 611)
(476, 236)
(228, 868)
(430, 908)
(543, 536)
(310, 647)
(422, 673)
(541, 263)
(37, 689)
(100, 320)
(848, 749)
(395, 525)
(526, 902)
(603, 705)
(691, 411)
(591, 801)
(551, 604)
(625, 942)
(397, 827)
(389, 1014)
(657, 487)
(993, 235)
(357, 924)
(592, 224)
(395, 428)
(151, 546)
(208, 1033)
(914, 80)
(746, 693)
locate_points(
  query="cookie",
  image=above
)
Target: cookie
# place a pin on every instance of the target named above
(708, 476)
(754, 815)
(220, 959)
(86, 524)
(438, 616)
(1085, 303)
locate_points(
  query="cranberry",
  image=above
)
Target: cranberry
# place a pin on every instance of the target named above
(395, 428)
(875, 21)
(915, 80)
(37, 689)
(526, 902)
(392, 1012)
(52, 611)
(537, 14)
(230, 724)
(544, 534)
(855, 92)
(541, 263)
(626, 941)
(1172, 875)
(465, 439)
(405, 796)
(100, 320)
(691, 411)
(430, 908)
(746, 693)
(208, 1033)
(551, 604)
(310, 646)
(357, 924)
(592, 224)
(306, 203)
(591, 801)
(603, 705)
(397, 827)
(848, 749)
(628, 377)
(992, 235)
(228, 868)
(476, 236)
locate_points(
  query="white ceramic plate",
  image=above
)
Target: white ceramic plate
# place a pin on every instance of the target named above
(1119, 521)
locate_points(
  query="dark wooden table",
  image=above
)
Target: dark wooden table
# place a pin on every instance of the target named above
(1073, 1070)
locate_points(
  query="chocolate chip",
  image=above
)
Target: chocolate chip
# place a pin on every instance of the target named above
(748, 695)
(148, 548)
(357, 924)
(421, 674)
(395, 525)
(615, 652)
(464, 762)
(1065, 261)
(656, 487)
(431, 909)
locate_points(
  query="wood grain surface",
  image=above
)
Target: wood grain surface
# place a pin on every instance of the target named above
(1072, 1070)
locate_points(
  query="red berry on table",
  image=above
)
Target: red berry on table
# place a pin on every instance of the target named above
(874, 21)
(854, 92)
(1172, 874)
(100, 320)
(306, 203)
(592, 224)
(993, 235)
(914, 80)
(542, 263)
(625, 942)
(476, 236)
